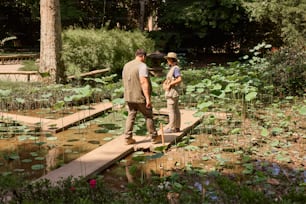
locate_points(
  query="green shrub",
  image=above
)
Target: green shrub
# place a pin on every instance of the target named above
(87, 50)
(287, 71)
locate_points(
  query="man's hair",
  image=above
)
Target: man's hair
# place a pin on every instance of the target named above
(140, 52)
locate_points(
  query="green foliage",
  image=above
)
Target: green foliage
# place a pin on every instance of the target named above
(29, 65)
(288, 16)
(258, 77)
(196, 24)
(65, 191)
(239, 193)
(37, 95)
(287, 71)
(87, 50)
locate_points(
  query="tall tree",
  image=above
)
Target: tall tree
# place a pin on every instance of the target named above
(50, 41)
(201, 24)
(289, 17)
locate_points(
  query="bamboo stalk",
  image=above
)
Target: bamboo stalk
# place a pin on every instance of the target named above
(162, 134)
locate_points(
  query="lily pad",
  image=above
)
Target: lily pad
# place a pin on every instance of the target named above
(26, 160)
(250, 96)
(37, 167)
(107, 138)
(14, 157)
(94, 142)
(22, 138)
(19, 170)
(138, 153)
(264, 132)
(302, 110)
(7, 173)
(73, 140)
(51, 138)
(34, 154)
(191, 148)
(156, 156)
(110, 126)
(206, 158)
(101, 131)
(39, 158)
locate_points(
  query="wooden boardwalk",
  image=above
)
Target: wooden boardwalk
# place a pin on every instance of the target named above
(103, 157)
(57, 125)
(70, 120)
(109, 153)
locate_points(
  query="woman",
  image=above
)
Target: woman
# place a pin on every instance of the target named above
(171, 87)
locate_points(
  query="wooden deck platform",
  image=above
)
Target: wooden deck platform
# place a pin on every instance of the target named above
(109, 153)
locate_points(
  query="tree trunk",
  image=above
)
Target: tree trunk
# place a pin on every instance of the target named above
(51, 65)
(142, 14)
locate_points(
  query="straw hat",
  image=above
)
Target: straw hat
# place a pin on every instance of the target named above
(172, 55)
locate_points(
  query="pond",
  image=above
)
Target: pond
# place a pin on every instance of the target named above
(233, 147)
(30, 152)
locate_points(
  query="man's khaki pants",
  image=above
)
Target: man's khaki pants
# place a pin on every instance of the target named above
(132, 109)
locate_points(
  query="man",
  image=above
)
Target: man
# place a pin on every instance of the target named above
(137, 94)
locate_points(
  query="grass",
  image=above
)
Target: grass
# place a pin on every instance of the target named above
(29, 65)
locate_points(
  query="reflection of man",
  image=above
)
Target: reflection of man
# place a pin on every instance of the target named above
(137, 94)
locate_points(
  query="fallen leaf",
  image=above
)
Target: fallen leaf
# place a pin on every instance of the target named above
(273, 181)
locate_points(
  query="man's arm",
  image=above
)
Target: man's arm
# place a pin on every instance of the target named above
(145, 85)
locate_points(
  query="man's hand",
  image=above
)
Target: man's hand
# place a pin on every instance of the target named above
(148, 104)
(145, 85)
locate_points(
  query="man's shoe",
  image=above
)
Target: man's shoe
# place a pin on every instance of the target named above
(156, 139)
(130, 141)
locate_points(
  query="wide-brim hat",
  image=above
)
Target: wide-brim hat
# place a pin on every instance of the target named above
(172, 55)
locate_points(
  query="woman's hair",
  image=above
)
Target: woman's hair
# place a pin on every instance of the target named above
(172, 59)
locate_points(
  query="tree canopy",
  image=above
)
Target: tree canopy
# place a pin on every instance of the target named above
(289, 17)
(197, 24)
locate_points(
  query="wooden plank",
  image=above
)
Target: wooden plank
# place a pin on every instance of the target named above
(109, 153)
(67, 121)
(188, 121)
(17, 58)
(217, 115)
(27, 120)
(91, 73)
(61, 123)
(92, 162)
(17, 73)
(20, 72)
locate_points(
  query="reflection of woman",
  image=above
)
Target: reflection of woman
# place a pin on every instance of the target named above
(171, 85)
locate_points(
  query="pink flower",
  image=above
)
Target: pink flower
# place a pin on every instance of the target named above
(92, 183)
(72, 188)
